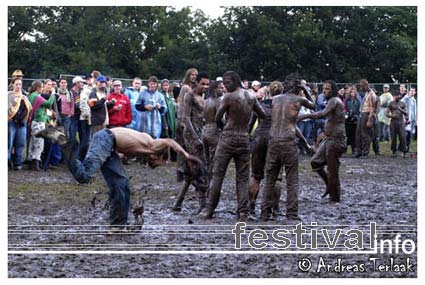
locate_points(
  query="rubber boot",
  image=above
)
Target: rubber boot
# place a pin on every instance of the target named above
(178, 204)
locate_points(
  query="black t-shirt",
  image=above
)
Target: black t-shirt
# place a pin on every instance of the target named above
(19, 117)
(76, 95)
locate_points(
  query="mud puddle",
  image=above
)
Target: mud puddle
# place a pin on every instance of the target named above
(49, 211)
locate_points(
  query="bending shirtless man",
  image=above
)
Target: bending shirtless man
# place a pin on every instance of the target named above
(103, 154)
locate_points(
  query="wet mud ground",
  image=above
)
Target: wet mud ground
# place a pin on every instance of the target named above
(49, 211)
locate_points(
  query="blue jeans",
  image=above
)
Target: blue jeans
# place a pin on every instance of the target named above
(56, 155)
(101, 155)
(17, 138)
(305, 128)
(85, 134)
(384, 132)
(52, 154)
(66, 123)
(318, 126)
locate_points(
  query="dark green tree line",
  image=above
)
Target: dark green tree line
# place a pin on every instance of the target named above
(264, 43)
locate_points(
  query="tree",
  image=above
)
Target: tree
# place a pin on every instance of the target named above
(263, 43)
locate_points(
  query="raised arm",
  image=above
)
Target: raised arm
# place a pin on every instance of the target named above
(330, 107)
(310, 102)
(49, 102)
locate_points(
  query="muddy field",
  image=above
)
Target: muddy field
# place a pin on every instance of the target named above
(49, 211)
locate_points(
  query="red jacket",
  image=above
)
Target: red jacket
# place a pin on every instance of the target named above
(119, 118)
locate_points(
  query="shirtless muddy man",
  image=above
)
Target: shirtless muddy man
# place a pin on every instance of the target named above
(103, 155)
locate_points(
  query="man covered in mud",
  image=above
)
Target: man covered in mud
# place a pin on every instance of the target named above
(238, 105)
(103, 154)
(189, 82)
(282, 149)
(259, 144)
(211, 132)
(193, 126)
(397, 111)
(365, 126)
(333, 145)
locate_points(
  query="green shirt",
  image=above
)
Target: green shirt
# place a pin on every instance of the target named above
(171, 114)
(41, 115)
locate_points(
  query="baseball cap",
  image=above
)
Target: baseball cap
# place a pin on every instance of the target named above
(117, 82)
(17, 72)
(386, 86)
(77, 79)
(255, 82)
(219, 78)
(101, 79)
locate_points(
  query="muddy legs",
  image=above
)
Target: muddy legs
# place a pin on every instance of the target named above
(253, 194)
(178, 204)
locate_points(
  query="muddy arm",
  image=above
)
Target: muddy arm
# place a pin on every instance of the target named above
(303, 140)
(258, 110)
(183, 91)
(321, 114)
(161, 144)
(187, 110)
(300, 135)
(252, 122)
(403, 110)
(220, 112)
(309, 103)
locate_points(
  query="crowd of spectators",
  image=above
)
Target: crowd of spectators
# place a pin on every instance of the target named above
(83, 106)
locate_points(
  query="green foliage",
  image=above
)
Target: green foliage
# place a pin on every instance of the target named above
(263, 43)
